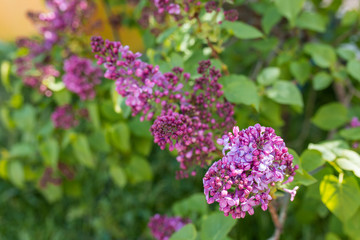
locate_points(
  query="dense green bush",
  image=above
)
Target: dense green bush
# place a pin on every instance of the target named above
(292, 65)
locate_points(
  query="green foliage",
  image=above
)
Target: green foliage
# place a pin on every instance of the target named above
(325, 118)
(288, 64)
(340, 196)
(185, 233)
(216, 226)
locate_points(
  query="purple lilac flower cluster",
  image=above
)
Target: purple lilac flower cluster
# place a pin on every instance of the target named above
(66, 117)
(65, 16)
(81, 77)
(353, 124)
(187, 121)
(231, 15)
(162, 227)
(255, 161)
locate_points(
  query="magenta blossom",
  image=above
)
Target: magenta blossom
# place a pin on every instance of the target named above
(255, 161)
(162, 227)
(81, 77)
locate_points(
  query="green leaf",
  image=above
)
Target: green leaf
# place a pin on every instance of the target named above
(49, 151)
(321, 81)
(353, 68)
(349, 160)
(239, 89)
(62, 97)
(351, 133)
(270, 19)
(188, 232)
(323, 55)
(352, 228)
(118, 175)
(242, 30)
(330, 116)
(312, 21)
(195, 204)
(350, 17)
(311, 159)
(268, 76)
(22, 150)
(332, 236)
(120, 137)
(52, 192)
(82, 151)
(285, 93)
(143, 146)
(341, 198)
(270, 113)
(16, 173)
(165, 34)
(25, 118)
(94, 114)
(289, 9)
(302, 178)
(216, 226)
(5, 73)
(98, 141)
(329, 149)
(345, 53)
(301, 70)
(138, 170)
(140, 129)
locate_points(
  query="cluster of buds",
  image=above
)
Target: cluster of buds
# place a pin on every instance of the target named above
(255, 162)
(189, 121)
(162, 227)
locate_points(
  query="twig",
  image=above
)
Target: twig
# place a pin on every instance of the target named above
(279, 220)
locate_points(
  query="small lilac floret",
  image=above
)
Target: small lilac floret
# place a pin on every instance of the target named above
(162, 227)
(255, 160)
(81, 77)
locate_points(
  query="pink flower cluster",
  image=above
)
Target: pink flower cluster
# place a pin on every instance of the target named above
(187, 121)
(65, 16)
(66, 117)
(162, 227)
(81, 77)
(255, 161)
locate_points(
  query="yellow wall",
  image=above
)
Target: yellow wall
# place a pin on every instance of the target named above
(14, 23)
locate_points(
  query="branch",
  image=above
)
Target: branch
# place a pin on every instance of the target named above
(279, 220)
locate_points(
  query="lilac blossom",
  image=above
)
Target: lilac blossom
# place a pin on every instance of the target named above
(162, 227)
(65, 117)
(255, 161)
(81, 77)
(186, 121)
(231, 15)
(211, 6)
(64, 17)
